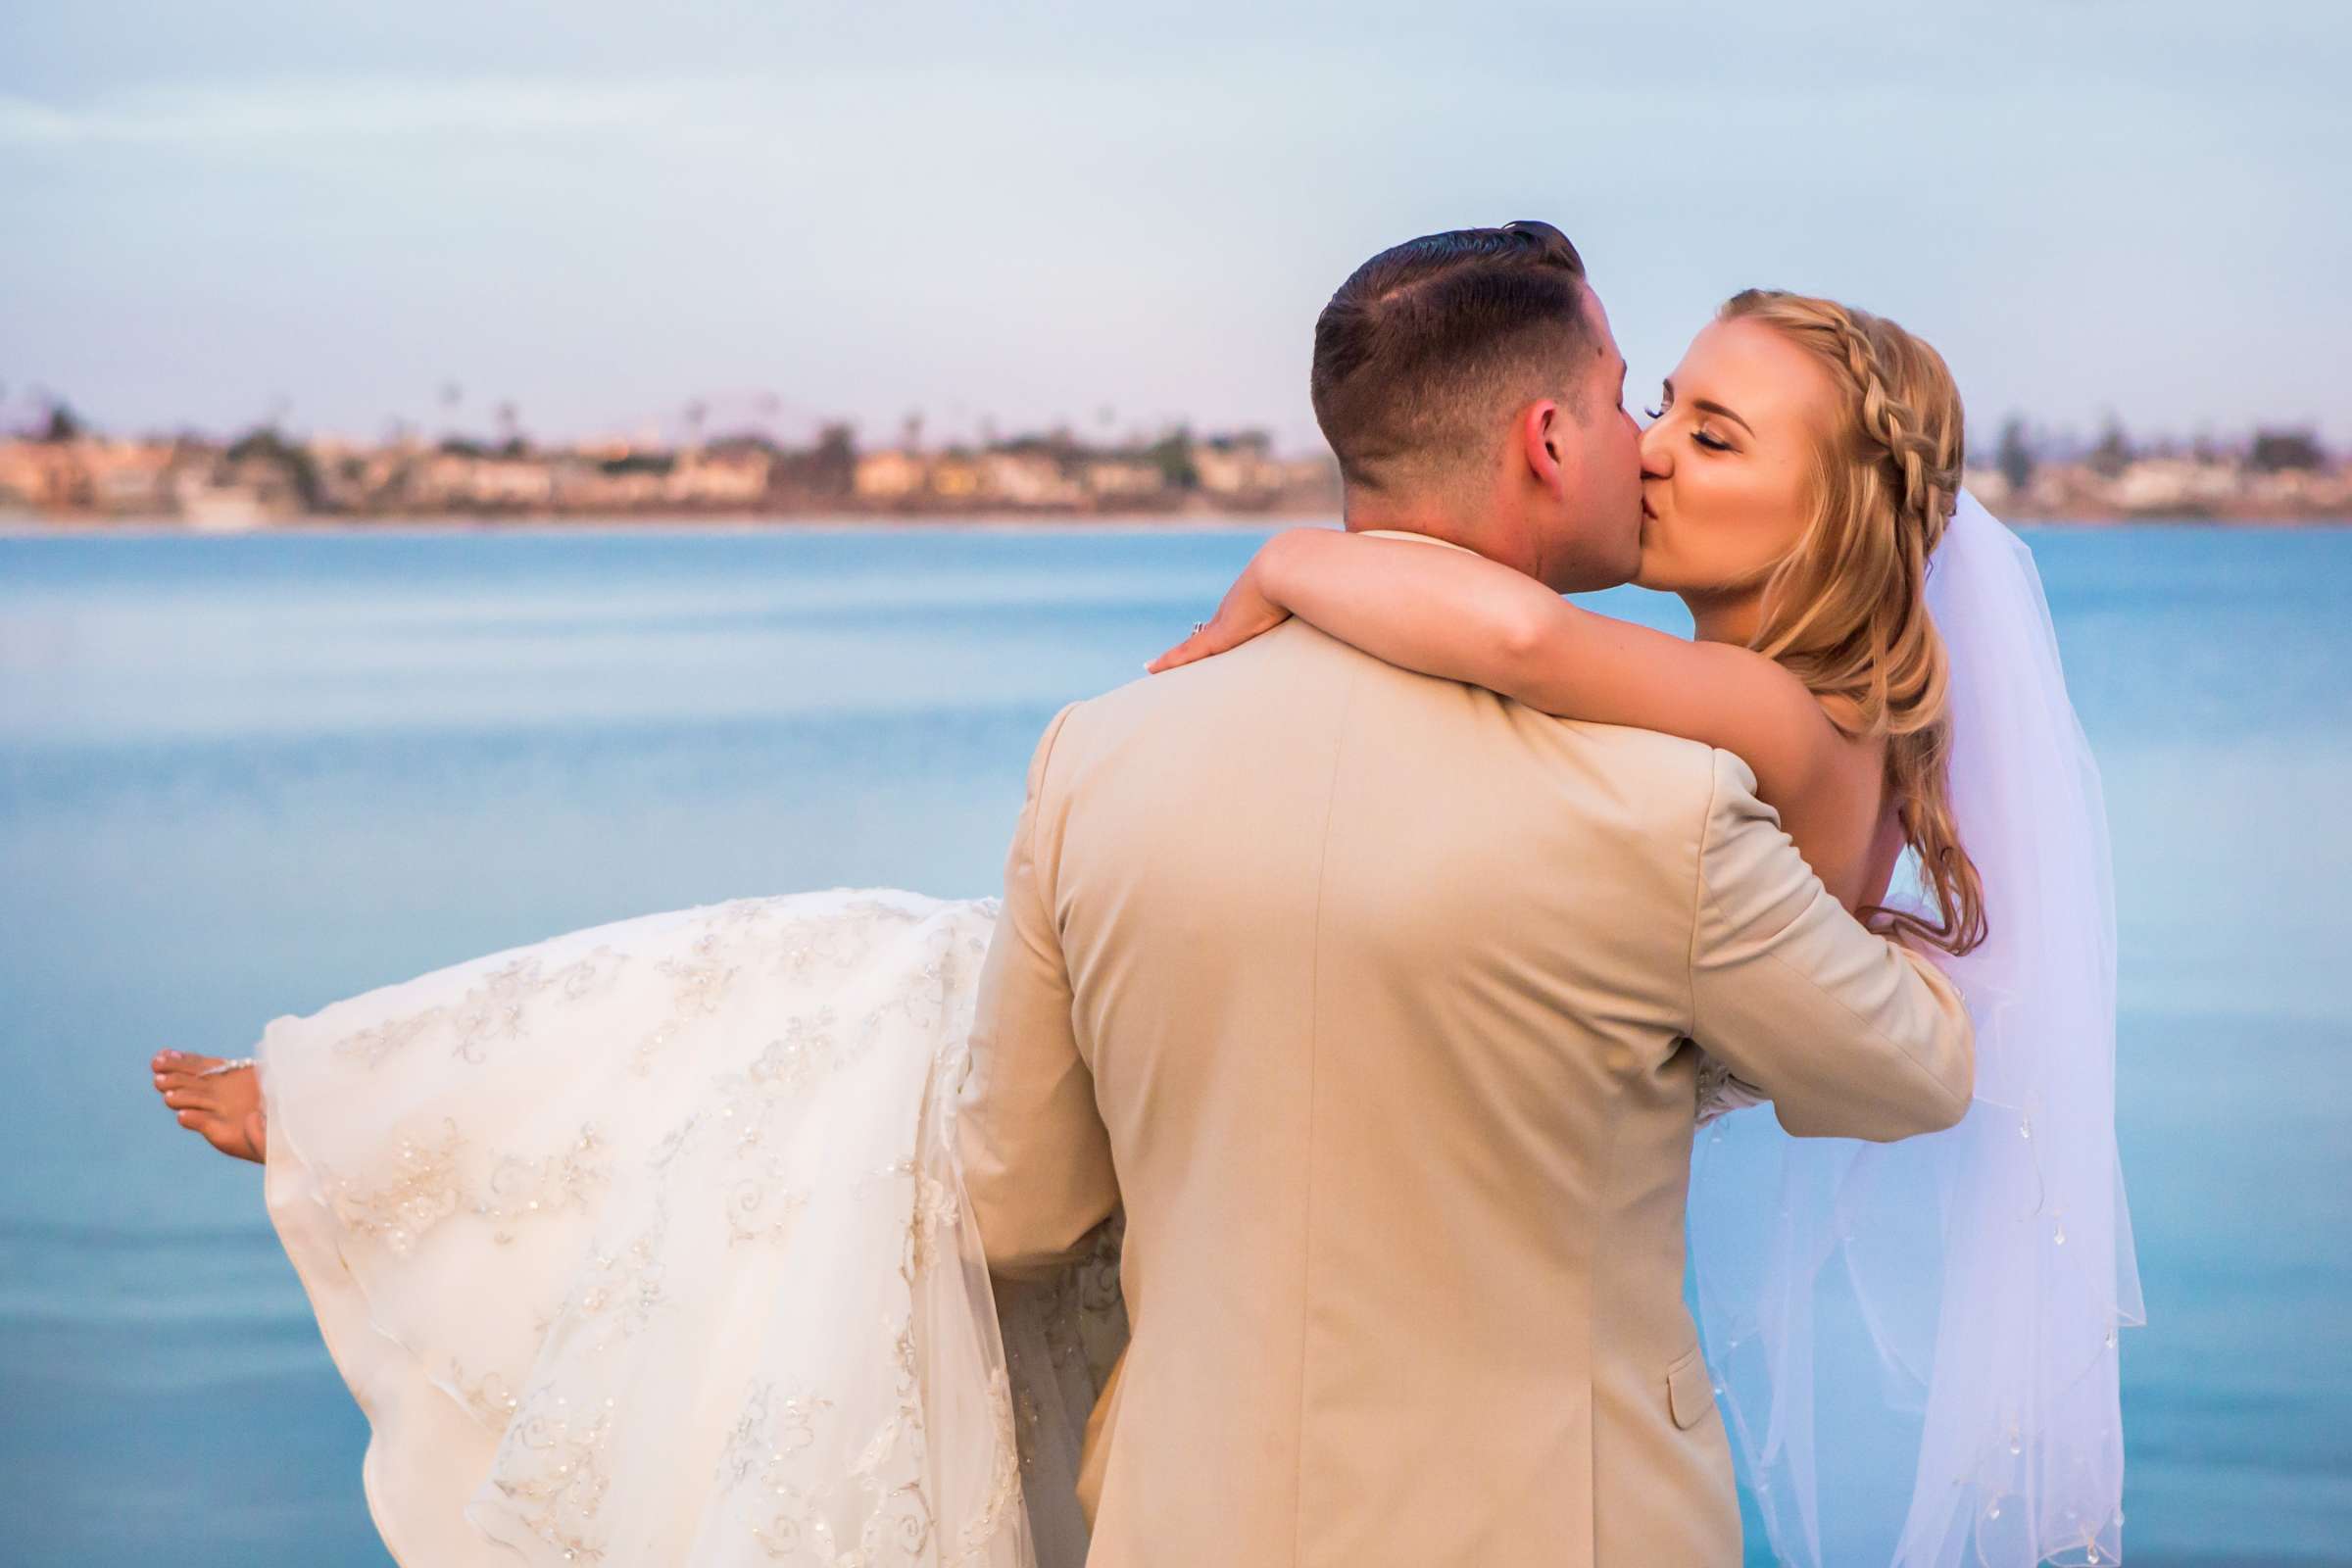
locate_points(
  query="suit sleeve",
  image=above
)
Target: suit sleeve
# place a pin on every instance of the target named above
(1035, 1154)
(1851, 1035)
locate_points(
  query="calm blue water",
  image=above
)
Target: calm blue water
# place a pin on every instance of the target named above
(245, 776)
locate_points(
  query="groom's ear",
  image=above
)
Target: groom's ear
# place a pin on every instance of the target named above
(1541, 437)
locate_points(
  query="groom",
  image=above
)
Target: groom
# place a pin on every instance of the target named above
(1372, 997)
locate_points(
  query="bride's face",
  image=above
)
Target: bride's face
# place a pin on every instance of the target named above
(1727, 463)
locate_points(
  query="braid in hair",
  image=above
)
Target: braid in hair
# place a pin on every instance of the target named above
(1846, 610)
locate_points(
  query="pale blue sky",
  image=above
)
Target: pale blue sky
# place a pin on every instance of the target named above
(603, 211)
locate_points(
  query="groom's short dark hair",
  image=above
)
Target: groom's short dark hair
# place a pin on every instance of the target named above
(1428, 340)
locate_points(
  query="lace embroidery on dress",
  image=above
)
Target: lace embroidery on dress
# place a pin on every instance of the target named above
(623, 1288)
(496, 1009)
(561, 1485)
(487, 1396)
(942, 1263)
(1720, 1093)
(433, 1177)
(989, 1524)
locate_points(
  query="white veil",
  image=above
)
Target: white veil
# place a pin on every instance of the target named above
(1915, 1343)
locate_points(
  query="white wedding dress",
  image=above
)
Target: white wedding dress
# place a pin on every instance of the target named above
(645, 1245)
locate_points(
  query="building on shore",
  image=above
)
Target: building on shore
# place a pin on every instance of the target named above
(2182, 488)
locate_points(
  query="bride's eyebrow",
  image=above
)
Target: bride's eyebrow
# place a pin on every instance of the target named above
(1708, 406)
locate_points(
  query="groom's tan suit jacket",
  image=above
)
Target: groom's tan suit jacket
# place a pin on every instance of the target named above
(1371, 997)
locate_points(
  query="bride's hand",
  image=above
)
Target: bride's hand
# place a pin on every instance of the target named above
(1247, 612)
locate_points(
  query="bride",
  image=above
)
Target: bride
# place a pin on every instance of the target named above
(646, 1243)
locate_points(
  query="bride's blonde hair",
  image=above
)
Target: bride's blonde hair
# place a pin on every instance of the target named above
(1845, 610)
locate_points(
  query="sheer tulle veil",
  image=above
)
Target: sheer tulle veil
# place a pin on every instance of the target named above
(1915, 1343)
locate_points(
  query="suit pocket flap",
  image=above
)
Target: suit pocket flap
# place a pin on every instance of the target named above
(1689, 1389)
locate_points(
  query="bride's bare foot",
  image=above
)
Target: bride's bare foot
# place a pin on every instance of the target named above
(225, 1106)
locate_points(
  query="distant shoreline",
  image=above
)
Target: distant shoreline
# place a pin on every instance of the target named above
(38, 528)
(698, 524)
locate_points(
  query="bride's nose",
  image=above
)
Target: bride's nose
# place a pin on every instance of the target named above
(1657, 453)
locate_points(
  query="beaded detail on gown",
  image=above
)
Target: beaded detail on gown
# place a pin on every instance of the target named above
(645, 1245)
(1720, 1094)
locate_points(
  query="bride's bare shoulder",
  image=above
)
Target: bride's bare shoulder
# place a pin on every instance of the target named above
(1840, 819)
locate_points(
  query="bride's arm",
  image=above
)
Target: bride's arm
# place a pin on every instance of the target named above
(1460, 616)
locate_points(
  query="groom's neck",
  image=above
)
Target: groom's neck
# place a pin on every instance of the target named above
(1439, 522)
